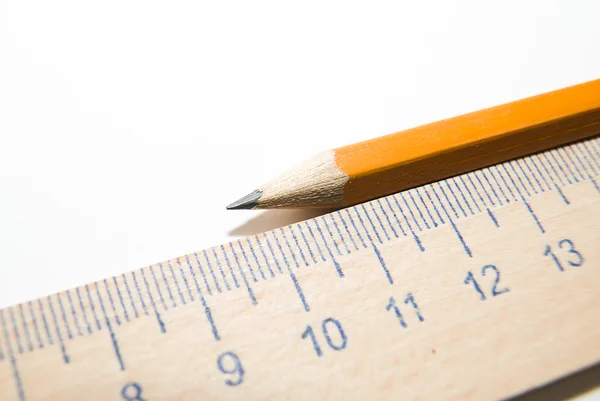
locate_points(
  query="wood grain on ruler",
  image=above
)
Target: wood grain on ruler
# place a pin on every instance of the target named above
(482, 286)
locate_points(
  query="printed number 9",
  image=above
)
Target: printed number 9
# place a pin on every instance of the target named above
(230, 364)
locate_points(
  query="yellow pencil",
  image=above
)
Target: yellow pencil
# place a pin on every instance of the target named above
(388, 164)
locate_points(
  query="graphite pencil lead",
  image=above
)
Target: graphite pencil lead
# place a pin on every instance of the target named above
(249, 201)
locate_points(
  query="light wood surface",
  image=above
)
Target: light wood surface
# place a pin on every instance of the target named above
(481, 287)
(388, 164)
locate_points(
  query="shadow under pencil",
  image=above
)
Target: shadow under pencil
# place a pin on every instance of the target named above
(272, 219)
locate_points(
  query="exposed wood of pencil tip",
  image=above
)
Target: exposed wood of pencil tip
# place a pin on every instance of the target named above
(417, 156)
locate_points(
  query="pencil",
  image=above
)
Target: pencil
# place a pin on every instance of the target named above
(382, 166)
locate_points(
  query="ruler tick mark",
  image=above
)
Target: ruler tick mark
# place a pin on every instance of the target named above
(35, 325)
(58, 332)
(337, 266)
(345, 225)
(237, 262)
(264, 255)
(387, 218)
(247, 261)
(185, 280)
(15, 330)
(13, 360)
(207, 311)
(454, 227)
(356, 229)
(166, 283)
(219, 265)
(25, 326)
(120, 298)
(73, 313)
(113, 337)
(161, 324)
(262, 274)
(414, 234)
(140, 295)
(135, 311)
(296, 242)
(201, 270)
(64, 316)
(383, 265)
(110, 300)
(177, 282)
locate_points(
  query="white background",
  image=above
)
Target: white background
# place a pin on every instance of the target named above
(127, 126)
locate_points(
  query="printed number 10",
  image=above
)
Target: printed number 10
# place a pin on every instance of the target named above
(334, 343)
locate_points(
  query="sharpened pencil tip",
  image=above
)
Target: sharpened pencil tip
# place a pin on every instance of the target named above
(249, 201)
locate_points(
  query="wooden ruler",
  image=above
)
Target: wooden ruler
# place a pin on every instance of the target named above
(482, 286)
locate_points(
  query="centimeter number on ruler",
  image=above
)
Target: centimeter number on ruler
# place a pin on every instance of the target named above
(481, 286)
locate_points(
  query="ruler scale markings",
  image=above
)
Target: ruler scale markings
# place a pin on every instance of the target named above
(16, 333)
(176, 281)
(569, 163)
(64, 317)
(383, 265)
(527, 205)
(575, 150)
(166, 283)
(536, 164)
(140, 295)
(212, 272)
(552, 155)
(25, 328)
(291, 273)
(250, 269)
(452, 224)
(427, 208)
(13, 360)
(410, 211)
(237, 262)
(270, 248)
(547, 160)
(339, 232)
(120, 296)
(59, 336)
(355, 228)
(111, 332)
(490, 172)
(112, 304)
(580, 154)
(462, 195)
(486, 189)
(207, 310)
(264, 255)
(489, 212)
(220, 266)
(512, 167)
(36, 329)
(161, 324)
(522, 179)
(83, 310)
(387, 218)
(412, 199)
(413, 233)
(459, 206)
(335, 244)
(93, 307)
(73, 313)
(387, 199)
(473, 199)
(337, 266)
(289, 248)
(185, 280)
(310, 251)
(362, 223)
(594, 145)
(133, 307)
(295, 242)
(385, 233)
(231, 270)
(201, 270)
(529, 181)
(45, 321)
(508, 187)
(258, 264)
